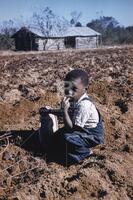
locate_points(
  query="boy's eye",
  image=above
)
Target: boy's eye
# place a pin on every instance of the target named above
(74, 88)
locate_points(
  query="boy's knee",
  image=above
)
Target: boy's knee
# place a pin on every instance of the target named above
(73, 140)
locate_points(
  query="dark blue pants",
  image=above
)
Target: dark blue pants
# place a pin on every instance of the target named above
(73, 145)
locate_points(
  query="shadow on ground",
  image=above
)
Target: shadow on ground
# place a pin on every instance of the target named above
(29, 141)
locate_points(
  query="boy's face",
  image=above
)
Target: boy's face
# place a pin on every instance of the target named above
(74, 89)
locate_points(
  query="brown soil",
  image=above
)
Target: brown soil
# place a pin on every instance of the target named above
(29, 81)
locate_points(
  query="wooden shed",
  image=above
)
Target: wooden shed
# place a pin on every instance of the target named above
(25, 40)
(73, 37)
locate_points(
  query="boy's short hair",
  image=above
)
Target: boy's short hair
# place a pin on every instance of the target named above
(78, 73)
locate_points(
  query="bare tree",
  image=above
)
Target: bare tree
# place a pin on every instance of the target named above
(49, 24)
(44, 20)
(75, 16)
(7, 28)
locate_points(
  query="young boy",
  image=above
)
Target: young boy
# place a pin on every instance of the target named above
(83, 127)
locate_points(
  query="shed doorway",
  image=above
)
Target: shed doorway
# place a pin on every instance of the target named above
(70, 42)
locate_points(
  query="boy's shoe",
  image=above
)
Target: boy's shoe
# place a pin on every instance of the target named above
(90, 154)
(75, 161)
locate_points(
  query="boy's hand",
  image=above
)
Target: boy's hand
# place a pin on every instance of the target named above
(66, 103)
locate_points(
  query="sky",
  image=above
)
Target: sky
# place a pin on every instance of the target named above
(121, 10)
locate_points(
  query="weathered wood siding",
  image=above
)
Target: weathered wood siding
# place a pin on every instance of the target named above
(56, 44)
(86, 42)
(50, 44)
(40, 44)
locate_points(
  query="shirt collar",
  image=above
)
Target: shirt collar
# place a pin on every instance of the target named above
(82, 97)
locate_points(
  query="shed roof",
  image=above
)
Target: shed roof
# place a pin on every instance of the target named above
(24, 30)
(80, 31)
(70, 32)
